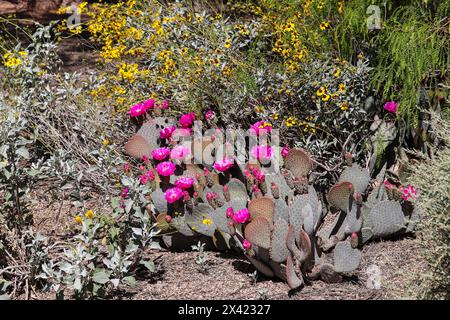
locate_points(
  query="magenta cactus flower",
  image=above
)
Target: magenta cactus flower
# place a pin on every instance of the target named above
(391, 106)
(246, 244)
(260, 127)
(285, 151)
(209, 115)
(160, 153)
(230, 212)
(223, 165)
(409, 193)
(173, 194)
(137, 110)
(166, 133)
(184, 182)
(261, 152)
(241, 216)
(149, 104)
(180, 152)
(187, 120)
(165, 168)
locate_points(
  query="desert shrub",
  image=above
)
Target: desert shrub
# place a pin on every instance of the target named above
(433, 180)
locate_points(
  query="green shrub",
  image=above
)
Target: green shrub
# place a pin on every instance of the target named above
(433, 180)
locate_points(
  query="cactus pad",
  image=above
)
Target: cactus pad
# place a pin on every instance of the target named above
(346, 258)
(357, 176)
(293, 280)
(279, 180)
(219, 216)
(180, 224)
(261, 267)
(385, 219)
(278, 249)
(200, 220)
(137, 147)
(298, 162)
(281, 210)
(258, 232)
(159, 201)
(295, 214)
(339, 195)
(261, 207)
(161, 222)
(238, 194)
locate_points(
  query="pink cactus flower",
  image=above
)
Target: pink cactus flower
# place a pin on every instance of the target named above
(150, 175)
(209, 115)
(180, 152)
(168, 218)
(137, 110)
(143, 179)
(165, 168)
(124, 193)
(260, 127)
(173, 194)
(261, 152)
(241, 216)
(187, 120)
(182, 132)
(166, 133)
(230, 212)
(141, 168)
(149, 104)
(409, 193)
(209, 196)
(184, 182)
(223, 165)
(165, 105)
(160, 153)
(391, 106)
(387, 184)
(285, 151)
(246, 244)
(126, 167)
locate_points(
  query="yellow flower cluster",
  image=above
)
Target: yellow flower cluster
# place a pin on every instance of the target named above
(12, 60)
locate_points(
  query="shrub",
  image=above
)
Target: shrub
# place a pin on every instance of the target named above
(433, 179)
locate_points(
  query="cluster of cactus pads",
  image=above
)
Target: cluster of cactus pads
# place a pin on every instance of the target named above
(293, 232)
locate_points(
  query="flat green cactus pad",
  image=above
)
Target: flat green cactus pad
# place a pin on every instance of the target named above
(339, 195)
(159, 201)
(385, 218)
(238, 193)
(200, 220)
(292, 278)
(261, 207)
(180, 224)
(346, 258)
(258, 232)
(278, 249)
(261, 267)
(357, 176)
(298, 162)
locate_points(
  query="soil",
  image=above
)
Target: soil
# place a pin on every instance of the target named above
(228, 275)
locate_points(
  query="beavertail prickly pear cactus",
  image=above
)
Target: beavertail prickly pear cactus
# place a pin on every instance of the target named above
(275, 217)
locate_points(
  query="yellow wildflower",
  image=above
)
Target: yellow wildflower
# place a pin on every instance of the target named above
(78, 219)
(344, 106)
(321, 91)
(342, 87)
(207, 222)
(89, 214)
(291, 121)
(326, 97)
(324, 25)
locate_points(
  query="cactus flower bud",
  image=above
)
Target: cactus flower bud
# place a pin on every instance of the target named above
(168, 218)
(230, 212)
